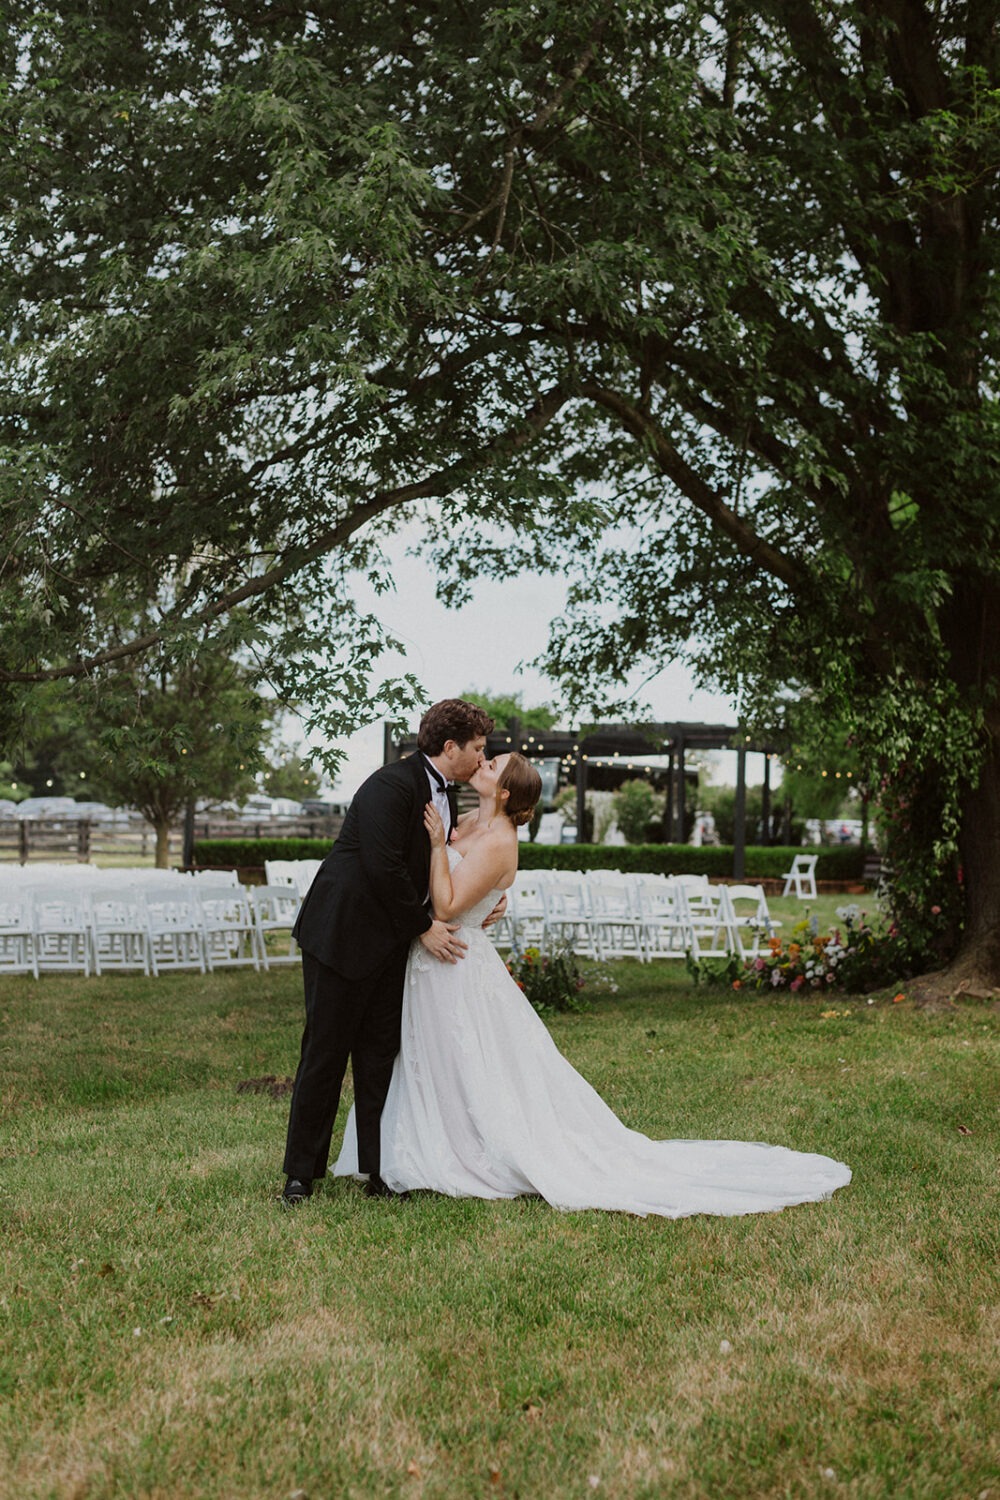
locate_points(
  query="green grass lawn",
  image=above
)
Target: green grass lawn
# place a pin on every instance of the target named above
(166, 1331)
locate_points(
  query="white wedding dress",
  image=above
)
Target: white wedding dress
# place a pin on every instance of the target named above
(482, 1104)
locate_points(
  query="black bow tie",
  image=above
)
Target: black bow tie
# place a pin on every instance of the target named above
(436, 776)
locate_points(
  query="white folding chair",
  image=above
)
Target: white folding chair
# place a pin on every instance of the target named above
(275, 908)
(17, 935)
(119, 933)
(280, 872)
(567, 915)
(527, 909)
(802, 876)
(615, 921)
(229, 928)
(666, 926)
(305, 874)
(176, 929)
(751, 922)
(62, 934)
(711, 927)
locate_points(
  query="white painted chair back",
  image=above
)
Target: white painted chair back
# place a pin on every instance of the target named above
(802, 877)
(751, 921)
(17, 935)
(275, 908)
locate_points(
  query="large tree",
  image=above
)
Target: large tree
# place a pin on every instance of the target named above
(279, 276)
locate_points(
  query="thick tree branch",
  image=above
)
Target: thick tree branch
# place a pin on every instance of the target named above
(441, 483)
(690, 483)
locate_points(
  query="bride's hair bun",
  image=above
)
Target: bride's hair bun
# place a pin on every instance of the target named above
(523, 786)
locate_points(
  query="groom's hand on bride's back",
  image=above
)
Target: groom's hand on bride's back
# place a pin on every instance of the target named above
(441, 940)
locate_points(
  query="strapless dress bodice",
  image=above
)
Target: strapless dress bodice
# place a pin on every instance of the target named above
(476, 915)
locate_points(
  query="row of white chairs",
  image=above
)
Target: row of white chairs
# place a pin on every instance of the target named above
(152, 929)
(604, 914)
(89, 879)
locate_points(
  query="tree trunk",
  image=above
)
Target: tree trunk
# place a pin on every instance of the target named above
(973, 634)
(977, 963)
(162, 844)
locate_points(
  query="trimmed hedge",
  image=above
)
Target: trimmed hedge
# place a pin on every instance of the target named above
(842, 862)
(235, 854)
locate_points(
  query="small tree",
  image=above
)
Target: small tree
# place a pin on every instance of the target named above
(505, 708)
(194, 733)
(635, 808)
(156, 738)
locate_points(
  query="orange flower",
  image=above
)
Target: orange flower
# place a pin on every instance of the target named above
(897, 998)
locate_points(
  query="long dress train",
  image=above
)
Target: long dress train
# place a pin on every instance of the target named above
(483, 1104)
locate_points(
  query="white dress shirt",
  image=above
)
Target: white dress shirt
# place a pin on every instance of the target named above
(439, 796)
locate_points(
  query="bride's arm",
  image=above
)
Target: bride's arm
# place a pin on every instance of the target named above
(483, 869)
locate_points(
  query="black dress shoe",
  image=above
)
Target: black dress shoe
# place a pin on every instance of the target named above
(376, 1188)
(295, 1192)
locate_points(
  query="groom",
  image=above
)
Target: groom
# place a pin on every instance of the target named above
(364, 908)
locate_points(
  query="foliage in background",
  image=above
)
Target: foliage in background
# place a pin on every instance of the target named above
(720, 801)
(160, 736)
(505, 708)
(12, 788)
(636, 805)
(289, 774)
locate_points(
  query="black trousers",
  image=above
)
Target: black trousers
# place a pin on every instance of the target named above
(345, 1018)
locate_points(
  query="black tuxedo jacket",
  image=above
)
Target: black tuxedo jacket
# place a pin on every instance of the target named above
(370, 893)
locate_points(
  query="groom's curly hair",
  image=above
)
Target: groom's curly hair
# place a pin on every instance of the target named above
(451, 719)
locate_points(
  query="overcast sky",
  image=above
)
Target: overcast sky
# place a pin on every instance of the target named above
(482, 645)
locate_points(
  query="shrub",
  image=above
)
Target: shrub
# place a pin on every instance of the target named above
(634, 805)
(550, 981)
(844, 862)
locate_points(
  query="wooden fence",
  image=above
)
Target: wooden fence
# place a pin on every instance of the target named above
(134, 841)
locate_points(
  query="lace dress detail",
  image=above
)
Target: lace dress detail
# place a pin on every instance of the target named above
(483, 1104)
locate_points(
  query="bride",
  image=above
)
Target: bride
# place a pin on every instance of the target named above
(482, 1104)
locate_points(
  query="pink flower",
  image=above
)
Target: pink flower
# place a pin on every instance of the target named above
(797, 983)
(935, 911)
(758, 963)
(830, 978)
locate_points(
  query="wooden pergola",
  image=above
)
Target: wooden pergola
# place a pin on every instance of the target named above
(605, 755)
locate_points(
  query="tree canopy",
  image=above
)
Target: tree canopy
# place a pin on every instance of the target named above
(277, 279)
